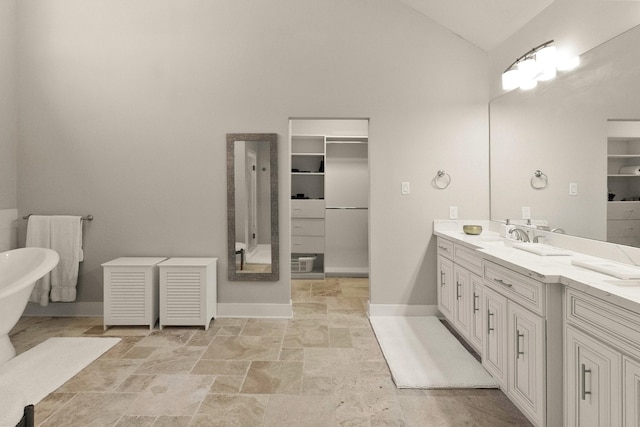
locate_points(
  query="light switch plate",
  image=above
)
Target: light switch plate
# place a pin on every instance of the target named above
(573, 189)
(453, 212)
(405, 188)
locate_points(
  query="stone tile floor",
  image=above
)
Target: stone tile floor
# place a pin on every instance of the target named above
(322, 368)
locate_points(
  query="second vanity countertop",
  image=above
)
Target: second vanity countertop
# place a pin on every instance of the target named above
(547, 269)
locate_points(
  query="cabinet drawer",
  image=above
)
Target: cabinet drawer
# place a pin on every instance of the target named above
(623, 210)
(307, 208)
(623, 227)
(525, 291)
(307, 227)
(468, 259)
(445, 248)
(307, 244)
(603, 319)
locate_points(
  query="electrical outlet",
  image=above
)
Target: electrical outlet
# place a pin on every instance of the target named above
(405, 188)
(526, 212)
(453, 212)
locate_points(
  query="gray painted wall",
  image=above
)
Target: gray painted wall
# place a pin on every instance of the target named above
(8, 106)
(124, 107)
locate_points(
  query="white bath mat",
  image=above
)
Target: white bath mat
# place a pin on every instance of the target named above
(42, 369)
(422, 353)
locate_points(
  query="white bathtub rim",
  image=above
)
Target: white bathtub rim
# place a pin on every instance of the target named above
(48, 263)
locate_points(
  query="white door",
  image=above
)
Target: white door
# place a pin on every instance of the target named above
(476, 335)
(526, 360)
(592, 372)
(494, 356)
(631, 391)
(461, 301)
(445, 285)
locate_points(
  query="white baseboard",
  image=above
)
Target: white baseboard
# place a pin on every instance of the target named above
(281, 311)
(402, 310)
(65, 309)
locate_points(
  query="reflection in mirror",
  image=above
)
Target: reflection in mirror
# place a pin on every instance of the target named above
(252, 207)
(561, 128)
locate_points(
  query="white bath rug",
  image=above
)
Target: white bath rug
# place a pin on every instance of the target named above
(42, 369)
(422, 353)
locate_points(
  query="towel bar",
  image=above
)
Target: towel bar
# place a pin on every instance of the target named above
(84, 218)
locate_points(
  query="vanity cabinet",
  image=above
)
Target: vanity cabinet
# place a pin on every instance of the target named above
(592, 370)
(601, 361)
(445, 286)
(523, 342)
(460, 290)
(494, 354)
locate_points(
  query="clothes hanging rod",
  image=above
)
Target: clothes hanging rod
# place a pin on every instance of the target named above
(84, 218)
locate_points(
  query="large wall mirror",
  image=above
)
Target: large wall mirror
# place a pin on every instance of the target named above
(252, 206)
(561, 128)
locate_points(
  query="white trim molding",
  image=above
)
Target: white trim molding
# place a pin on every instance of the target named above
(402, 310)
(280, 311)
(65, 309)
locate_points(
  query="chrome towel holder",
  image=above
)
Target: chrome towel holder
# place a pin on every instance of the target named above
(441, 180)
(539, 180)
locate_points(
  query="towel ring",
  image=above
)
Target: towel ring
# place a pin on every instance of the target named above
(539, 180)
(441, 180)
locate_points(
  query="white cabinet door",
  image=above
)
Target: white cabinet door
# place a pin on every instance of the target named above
(494, 355)
(476, 331)
(631, 392)
(526, 339)
(461, 301)
(592, 372)
(445, 287)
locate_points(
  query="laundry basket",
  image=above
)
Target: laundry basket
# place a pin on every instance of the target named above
(303, 264)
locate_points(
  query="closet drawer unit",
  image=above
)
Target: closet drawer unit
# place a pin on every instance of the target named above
(307, 244)
(131, 291)
(525, 291)
(307, 208)
(468, 259)
(307, 227)
(603, 319)
(623, 227)
(445, 248)
(623, 210)
(188, 291)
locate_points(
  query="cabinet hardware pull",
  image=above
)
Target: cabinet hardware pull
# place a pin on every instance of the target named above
(457, 290)
(518, 352)
(442, 278)
(584, 372)
(444, 248)
(489, 328)
(475, 297)
(502, 282)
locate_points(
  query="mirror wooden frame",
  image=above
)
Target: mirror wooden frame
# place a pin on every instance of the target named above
(233, 275)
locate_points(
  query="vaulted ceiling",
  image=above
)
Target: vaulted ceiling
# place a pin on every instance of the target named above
(484, 23)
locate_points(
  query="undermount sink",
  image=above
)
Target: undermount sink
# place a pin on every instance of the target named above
(542, 249)
(621, 271)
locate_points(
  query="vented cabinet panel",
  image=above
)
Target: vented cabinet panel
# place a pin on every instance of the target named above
(188, 291)
(131, 291)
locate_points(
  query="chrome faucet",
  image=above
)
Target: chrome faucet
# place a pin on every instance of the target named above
(520, 234)
(559, 230)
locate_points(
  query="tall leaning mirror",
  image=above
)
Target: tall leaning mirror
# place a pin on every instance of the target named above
(252, 206)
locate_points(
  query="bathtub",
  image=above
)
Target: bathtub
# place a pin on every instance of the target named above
(19, 271)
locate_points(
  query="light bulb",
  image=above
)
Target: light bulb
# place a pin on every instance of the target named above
(510, 79)
(546, 59)
(528, 69)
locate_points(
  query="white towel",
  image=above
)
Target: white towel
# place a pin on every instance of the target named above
(39, 236)
(66, 239)
(634, 170)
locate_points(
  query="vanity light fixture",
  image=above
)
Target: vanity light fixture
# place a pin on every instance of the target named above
(539, 64)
